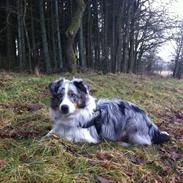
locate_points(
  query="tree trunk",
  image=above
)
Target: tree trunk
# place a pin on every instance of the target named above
(177, 68)
(105, 60)
(131, 53)
(71, 34)
(60, 60)
(53, 41)
(113, 60)
(27, 36)
(119, 36)
(81, 48)
(44, 37)
(178, 60)
(21, 40)
(33, 41)
(10, 37)
(89, 59)
(132, 29)
(126, 36)
(96, 64)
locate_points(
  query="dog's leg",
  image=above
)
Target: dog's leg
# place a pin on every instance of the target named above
(137, 138)
(49, 134)
(124, 144)
(81, 135)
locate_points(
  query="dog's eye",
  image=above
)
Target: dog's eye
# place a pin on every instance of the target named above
(73, 95)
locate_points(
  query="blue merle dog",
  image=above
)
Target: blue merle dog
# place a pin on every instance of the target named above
(79, 117)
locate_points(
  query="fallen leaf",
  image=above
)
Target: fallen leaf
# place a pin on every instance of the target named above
(102, 155)
(176, 156)
(105, 163)
(100, 179)
(33, 107)
(2, 163)
(136, 159)
(179, 115)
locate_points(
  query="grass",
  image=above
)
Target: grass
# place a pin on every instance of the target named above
(24, 119)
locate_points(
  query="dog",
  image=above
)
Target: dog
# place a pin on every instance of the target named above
(79, 117)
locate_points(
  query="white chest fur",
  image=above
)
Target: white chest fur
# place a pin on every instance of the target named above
(67, 126)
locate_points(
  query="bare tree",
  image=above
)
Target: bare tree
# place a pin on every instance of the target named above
(178, 61)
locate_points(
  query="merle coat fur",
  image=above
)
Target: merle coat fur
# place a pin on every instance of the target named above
(79, 117)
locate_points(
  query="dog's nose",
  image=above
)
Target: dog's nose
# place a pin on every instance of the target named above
(64, 109)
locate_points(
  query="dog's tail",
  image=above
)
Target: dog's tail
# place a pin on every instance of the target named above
(157, 136)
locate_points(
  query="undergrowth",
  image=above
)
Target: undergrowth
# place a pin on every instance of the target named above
(24, 120)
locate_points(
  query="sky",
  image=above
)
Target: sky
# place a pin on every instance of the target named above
(175, 9)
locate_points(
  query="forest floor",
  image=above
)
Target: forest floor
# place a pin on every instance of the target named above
(24, 119)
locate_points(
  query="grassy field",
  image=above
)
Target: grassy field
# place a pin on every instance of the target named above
(24, 157)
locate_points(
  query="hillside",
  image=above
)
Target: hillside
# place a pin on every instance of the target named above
(24, 157)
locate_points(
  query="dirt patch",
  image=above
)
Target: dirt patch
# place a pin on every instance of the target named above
(20, 108)
(8, 132)
(172, 121)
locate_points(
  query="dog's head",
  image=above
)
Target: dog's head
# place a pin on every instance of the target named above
(68, 95)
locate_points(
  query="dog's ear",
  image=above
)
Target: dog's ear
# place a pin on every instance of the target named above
(81, 85)
(54, 86)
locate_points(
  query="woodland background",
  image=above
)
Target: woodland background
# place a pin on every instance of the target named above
(80, 35)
